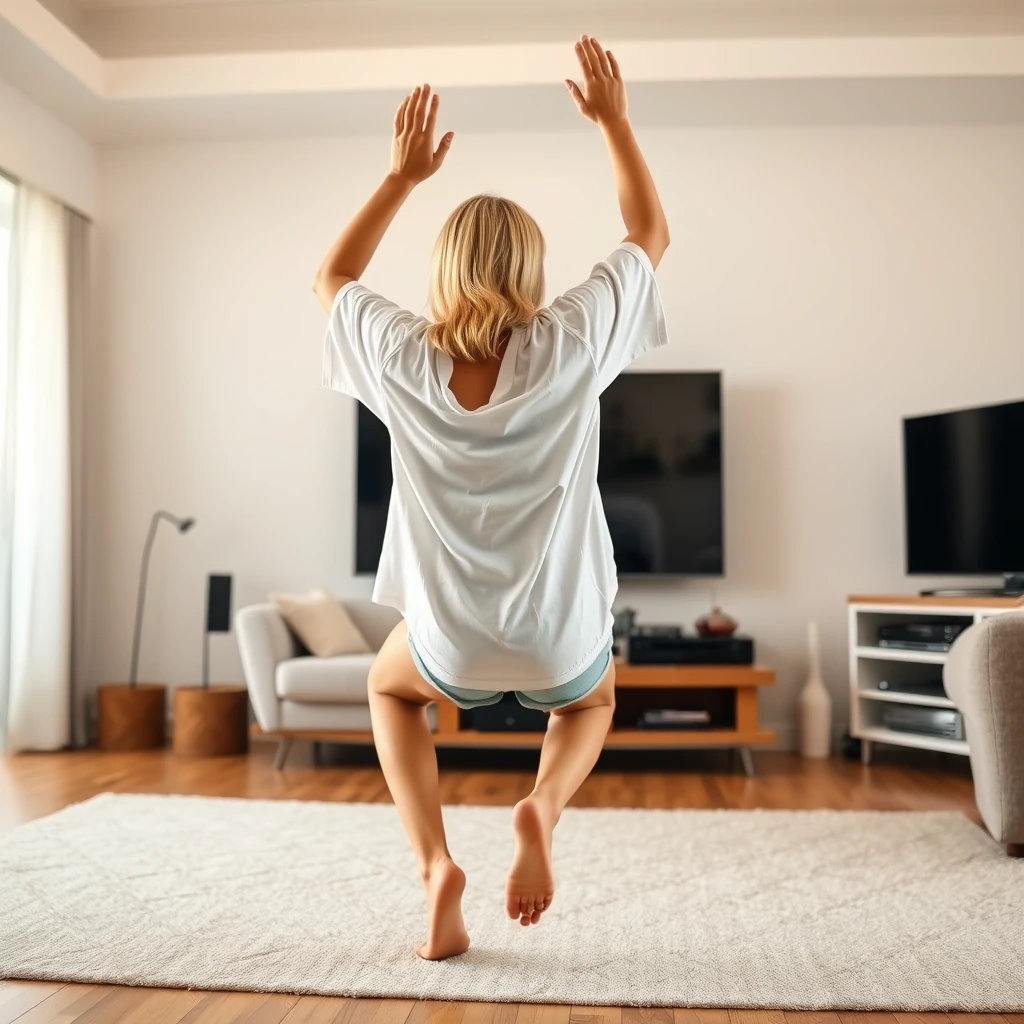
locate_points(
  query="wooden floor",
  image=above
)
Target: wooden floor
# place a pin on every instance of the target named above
(36, 784)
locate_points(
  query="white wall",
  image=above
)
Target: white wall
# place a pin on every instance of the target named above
(44, 152)
(840, 277)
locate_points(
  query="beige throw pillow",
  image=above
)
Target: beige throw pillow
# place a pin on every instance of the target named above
(321, 622)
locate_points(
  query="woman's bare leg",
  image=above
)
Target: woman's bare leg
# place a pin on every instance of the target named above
(398, 708)
(571, 747)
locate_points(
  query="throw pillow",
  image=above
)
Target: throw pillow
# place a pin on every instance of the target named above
(321, 622)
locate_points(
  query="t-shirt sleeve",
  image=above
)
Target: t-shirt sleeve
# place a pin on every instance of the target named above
(364, 330)
(616, 312)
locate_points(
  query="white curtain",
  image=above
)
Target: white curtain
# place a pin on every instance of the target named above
(35, 484)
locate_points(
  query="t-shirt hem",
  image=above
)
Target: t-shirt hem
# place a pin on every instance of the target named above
(436, 668)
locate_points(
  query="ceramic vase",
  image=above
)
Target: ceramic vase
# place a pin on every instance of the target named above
(716, 623)
(814, 705)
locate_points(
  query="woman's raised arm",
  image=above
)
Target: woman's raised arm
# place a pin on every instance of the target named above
(413, 159)
(602, 99)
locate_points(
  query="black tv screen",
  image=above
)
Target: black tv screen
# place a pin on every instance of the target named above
(964, 491)
(660, 475)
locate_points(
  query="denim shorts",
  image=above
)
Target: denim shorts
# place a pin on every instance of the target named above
(542, 700)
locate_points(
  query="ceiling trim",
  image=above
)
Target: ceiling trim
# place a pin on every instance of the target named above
(362, 70)
(675, 60)
(57, 41)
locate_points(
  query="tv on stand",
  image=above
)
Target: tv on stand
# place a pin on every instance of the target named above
(659, 473)
(964, 496)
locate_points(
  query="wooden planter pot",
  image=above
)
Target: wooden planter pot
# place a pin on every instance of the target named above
(131, 717)
(211, 722)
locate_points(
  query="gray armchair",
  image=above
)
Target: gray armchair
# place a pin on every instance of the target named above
(297, 695)
(984, 676)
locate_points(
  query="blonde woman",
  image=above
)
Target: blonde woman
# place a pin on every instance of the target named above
(496, 550)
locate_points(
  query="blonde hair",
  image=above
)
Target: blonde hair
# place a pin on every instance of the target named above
(487, 277)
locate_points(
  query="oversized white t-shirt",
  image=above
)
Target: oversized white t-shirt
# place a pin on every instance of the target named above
(496, 548)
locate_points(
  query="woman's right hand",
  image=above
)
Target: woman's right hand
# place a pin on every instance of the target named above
(603, 96)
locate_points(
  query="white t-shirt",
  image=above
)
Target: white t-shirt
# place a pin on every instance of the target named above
(496, 548)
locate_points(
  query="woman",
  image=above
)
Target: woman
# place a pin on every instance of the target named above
(496, 549)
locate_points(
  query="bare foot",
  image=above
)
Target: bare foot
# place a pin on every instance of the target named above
(530, 886)
(446, 931)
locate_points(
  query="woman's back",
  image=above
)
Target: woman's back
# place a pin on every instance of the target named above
(497, 550)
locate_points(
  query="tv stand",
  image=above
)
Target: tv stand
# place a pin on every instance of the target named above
(1013, 586)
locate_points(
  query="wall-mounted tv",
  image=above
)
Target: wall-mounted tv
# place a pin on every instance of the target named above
(964, 492)
(660, 475)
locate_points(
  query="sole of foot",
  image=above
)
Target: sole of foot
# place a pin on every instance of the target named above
(446, 931)
(530, 886)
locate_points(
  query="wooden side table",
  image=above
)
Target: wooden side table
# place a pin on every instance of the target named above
(211, 721)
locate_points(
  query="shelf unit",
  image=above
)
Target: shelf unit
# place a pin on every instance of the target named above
(869, 663)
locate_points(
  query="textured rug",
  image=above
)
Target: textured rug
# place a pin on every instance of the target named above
(761, 909)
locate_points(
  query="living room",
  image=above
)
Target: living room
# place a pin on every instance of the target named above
(842, 186)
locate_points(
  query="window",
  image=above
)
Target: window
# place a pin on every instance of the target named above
(6, 219)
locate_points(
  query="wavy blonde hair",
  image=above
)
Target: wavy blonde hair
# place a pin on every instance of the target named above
(487, 277)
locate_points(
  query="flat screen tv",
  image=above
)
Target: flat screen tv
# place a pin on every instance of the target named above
(660, 475)
(964, 493)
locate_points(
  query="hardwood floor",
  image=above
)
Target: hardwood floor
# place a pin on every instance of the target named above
(32, 785)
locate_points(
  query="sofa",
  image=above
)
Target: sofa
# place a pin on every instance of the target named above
(295, 695)
(984, 677)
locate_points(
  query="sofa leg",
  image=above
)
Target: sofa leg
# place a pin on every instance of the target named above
(1015, 849)
(284, 744)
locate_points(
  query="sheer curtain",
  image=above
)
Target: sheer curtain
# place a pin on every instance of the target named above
(35, 482)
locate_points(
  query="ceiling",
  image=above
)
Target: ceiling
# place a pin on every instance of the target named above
(158, 69)
(124, 28)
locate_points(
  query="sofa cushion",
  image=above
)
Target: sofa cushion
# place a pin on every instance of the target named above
(340, 680)
(321, 622)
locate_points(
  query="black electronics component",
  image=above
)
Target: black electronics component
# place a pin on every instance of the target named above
(942, 723)
(922, 688)
(667, 645)
(921, 636)
(508, 715)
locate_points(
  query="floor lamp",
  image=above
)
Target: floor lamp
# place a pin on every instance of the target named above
(133, 716)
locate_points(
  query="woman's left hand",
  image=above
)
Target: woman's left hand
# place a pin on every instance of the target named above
(413, 157)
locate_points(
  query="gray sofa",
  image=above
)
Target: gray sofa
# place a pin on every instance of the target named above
(984, 676)
(296, 695)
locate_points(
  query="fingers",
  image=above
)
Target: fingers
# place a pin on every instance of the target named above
(613, 64)
(598, 58)
(583, 56)
(442, 148)
(421, 106)
(577, 95)
(408, 106)
(412, 109)
(400, 116)
(432, 116)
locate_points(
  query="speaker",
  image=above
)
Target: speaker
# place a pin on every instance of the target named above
(218, 604)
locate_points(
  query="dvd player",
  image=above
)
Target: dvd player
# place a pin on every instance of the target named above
(667, 645)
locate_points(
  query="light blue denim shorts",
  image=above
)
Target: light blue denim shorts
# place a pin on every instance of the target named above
(542, 700)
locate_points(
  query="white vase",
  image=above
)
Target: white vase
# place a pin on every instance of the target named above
(814, 705)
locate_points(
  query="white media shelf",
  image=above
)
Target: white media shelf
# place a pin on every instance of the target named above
(871, 664)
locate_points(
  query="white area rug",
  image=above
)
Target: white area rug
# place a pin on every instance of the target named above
(768, 909)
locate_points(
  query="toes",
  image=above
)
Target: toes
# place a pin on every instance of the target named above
(535, 916)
